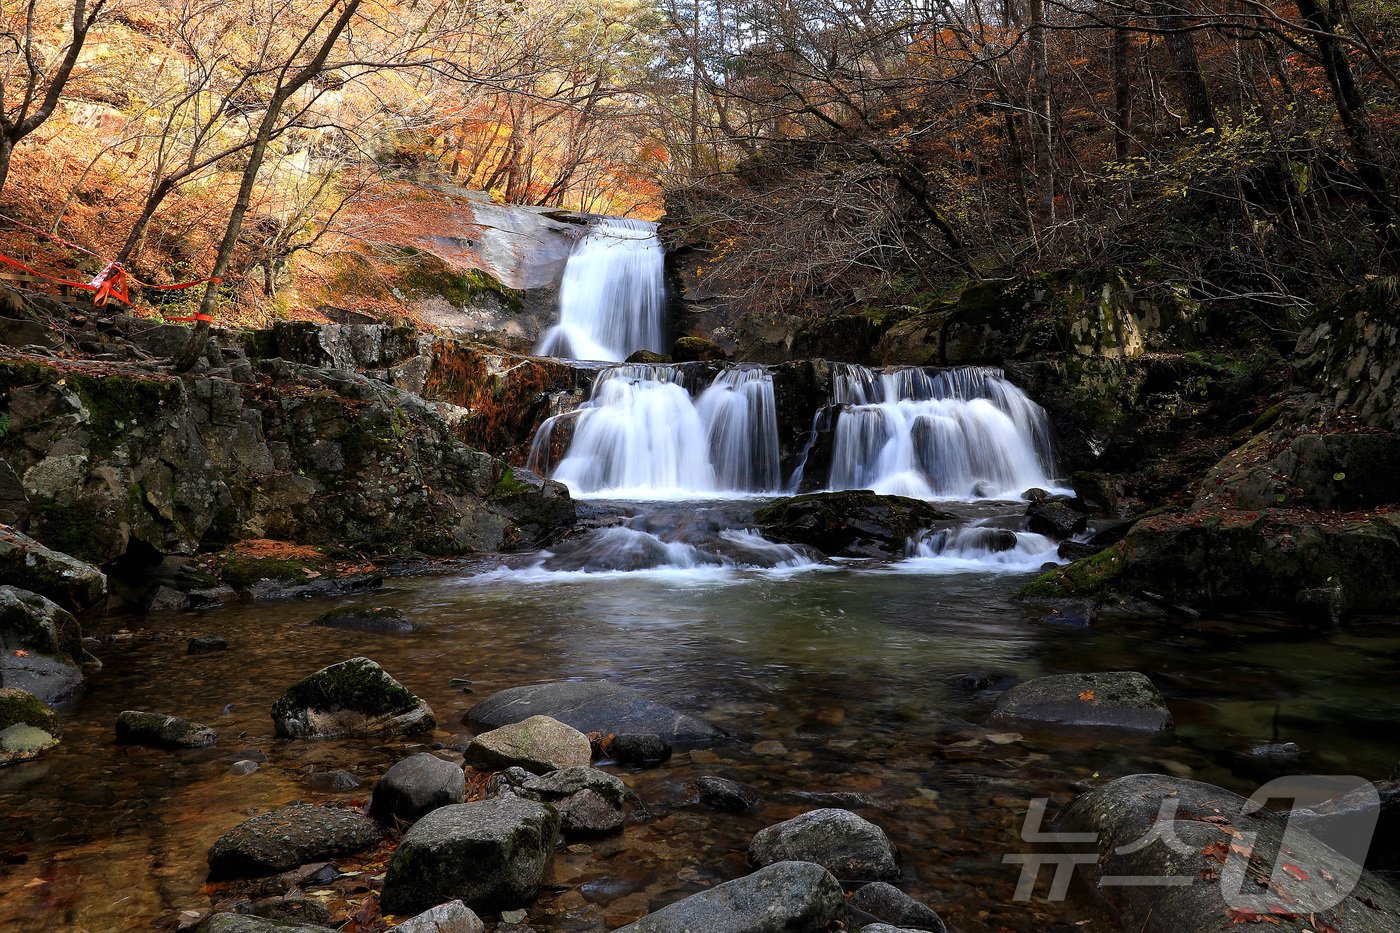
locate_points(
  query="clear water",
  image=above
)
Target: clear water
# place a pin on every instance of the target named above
(851, 668)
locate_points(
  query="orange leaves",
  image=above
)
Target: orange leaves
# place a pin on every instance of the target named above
(1087, 696)
(21, 653)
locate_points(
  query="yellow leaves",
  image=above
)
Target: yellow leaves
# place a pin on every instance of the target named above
(1087, 696)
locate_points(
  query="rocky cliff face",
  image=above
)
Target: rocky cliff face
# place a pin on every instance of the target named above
(121, 464)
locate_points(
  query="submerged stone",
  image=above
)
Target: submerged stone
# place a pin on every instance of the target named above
(594, 706)
(378, 620)
(135, 727)
(1114, 700)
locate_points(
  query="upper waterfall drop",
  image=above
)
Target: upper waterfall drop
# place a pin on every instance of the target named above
(950, 434)
(612, 301)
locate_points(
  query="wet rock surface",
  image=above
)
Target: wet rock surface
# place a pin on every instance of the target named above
(354, 697)
(285, 838)
(1208, 825)
(40, 646)
(416, 786)
(845, 844)
(27, 564)
(892, 906)
(539, 744)
(594, 706)
(589, 801)
(785, 897)
(489, 855)
(726, 795)
(135, 727)
(855, 523)
(376, 620)
(1123, 700)
(452, 917)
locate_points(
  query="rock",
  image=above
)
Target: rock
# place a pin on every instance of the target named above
(1076, 550)
(291, 907)
(416, 786)
(246, 923)
(594, 706)
(726, 795)
(1098, 492)
(490, 855)
(335, 782)
(538, 744)
(135, 727)
(352, 698)
(590, 802)
(648, 356)
(1369, 813)
(848, 846)
(27, 564)
(639, 749)
(379, 620)
(1055, 519)
(1115, 699)
(41, 649)
(242, 767)
(697, 349)
(1035, 495)
(785, 897)
(285, 838)
(452, 917)
(887, 903)
(886, 928)
(854, 523)
(207, 644)
(1205, 824)
(23, 742)
(21, 706)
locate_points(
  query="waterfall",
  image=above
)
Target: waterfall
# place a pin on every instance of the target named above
(980, 546)
(949, 434)
(613, 297)
(642, 434)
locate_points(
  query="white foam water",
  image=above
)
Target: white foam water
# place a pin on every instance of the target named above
(612, 300)
(952, 434)
(979, 547)
(643, 436)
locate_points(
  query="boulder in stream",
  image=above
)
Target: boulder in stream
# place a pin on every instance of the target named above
(594, 706)
(282, 839)
(1055, 519)
(1215, 860)
(725, 795)
(452, 917)
(590, 801)
(41, 649)
(416, 786)
(539, 744)
(372, 620)
(352, 698)
(247, 923)
(1124, 700)
(895, 909)
(136, 727)
(853, 523)
(845, 844)
(785, 897)
(28, 727)
(489, 855)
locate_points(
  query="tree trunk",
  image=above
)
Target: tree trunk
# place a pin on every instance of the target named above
(1185, 65)
(1351, 109)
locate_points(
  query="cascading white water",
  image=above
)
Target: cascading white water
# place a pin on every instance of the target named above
(642, 435)
(951, 434)
(612, 300)
(980, 546)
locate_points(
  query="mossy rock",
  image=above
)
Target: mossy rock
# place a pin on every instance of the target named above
(21, 706)
(853, 523)
(1089, 577)
(352, 698)
(696, 350)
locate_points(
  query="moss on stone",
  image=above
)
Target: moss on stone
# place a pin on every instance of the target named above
(1082, 578)
(357, 684)
(20, 706)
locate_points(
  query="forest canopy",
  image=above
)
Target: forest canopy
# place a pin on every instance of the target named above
(821, 149)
